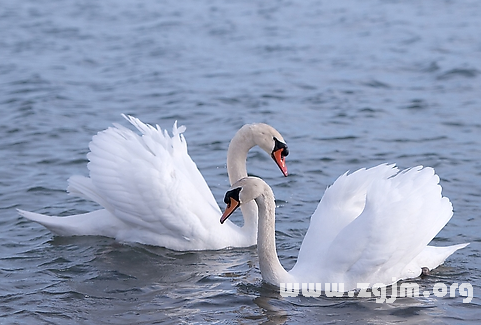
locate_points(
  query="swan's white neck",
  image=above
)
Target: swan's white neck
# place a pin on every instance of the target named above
(239, 146)
(271, 269)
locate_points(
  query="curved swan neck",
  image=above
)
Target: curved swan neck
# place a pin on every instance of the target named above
(271, 269)
(239, 146)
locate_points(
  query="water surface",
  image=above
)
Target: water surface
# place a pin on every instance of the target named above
(348, 84)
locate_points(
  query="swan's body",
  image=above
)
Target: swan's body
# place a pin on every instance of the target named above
(153, 193)
(372, 226)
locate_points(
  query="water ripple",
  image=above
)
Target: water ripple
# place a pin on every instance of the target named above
(348, 84)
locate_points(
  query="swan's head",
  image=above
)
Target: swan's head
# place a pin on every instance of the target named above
(272, 142)
(242, 191)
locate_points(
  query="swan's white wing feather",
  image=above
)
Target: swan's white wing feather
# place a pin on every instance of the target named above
(148, 181)
(342, 202)
(180, 157)
(402, 214)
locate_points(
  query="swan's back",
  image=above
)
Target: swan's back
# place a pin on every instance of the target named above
(371, 225)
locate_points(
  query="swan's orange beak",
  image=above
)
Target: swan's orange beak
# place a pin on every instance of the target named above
(280, 160)
(231, 207)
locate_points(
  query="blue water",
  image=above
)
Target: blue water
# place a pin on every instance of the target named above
(349, 84)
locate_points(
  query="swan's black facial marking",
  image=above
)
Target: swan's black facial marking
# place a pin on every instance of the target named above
(234, 193)
(232, 200)
(279, 154)
(280, 145)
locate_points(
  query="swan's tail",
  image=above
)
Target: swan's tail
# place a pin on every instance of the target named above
(96, 223)
(430, 257)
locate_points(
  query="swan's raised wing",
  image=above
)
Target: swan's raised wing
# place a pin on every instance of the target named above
(401, 215)
(148, 181)
(342, 202)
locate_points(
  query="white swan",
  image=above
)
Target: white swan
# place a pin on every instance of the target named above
(372, 226)
(152, 192)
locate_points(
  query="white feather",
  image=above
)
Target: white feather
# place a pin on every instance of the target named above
(152, 191)
(371, 226)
